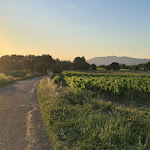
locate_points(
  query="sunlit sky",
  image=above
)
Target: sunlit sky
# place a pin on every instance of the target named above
(69, 28)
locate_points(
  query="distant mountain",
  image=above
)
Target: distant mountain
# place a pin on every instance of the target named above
(121, 60)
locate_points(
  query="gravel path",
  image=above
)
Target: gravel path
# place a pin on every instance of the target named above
(21, 125)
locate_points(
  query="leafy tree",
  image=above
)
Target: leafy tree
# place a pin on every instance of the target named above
(28, 62)
(41, 67)
(93, 67)
(67, 65)
(47, 59)
(123, 66)
(12, 62)
(80, 64)
(103, 66)
(57, 67)
(147, 65)
(113, 66)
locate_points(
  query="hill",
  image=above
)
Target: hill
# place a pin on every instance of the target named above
(121, 60)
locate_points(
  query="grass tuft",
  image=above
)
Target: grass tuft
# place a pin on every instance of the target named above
(4, 80)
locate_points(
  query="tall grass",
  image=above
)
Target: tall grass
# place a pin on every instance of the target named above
(77, 121)
(15, 73)
(4, 80)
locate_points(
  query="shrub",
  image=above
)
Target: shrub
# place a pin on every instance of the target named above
(56, 79)
(4, 80)
(30, 75)
(18, 73)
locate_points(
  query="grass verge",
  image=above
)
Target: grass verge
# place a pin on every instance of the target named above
(8, 77)
(77, 121)
(28, 76)
(4, 80)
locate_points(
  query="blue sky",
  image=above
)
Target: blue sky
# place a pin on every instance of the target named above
(70, 28)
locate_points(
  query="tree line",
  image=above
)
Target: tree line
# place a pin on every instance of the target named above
(117, 66)
(41, 64)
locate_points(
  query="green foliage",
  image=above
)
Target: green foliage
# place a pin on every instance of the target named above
(113, 66)
(20, 62)
(15, 73)
(101, 69)
(4, 80)
(118, 84)
(12, 62)
(77, 121)
(41, 67)
(147, 65)
(31, 75)
(57, 67)
(93, 67)
(56, 79)
(80, 64)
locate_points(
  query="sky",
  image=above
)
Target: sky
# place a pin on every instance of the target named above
(66, 29)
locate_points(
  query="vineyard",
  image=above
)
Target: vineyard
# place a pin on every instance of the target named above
(118, 85)
(77, 118)
(112, 84)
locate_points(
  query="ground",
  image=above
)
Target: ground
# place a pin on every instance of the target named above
(21, 124)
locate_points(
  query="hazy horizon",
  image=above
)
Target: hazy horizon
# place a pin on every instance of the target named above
(67, 29)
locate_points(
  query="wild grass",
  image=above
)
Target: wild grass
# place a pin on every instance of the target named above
(4, 80)
(11, 76)
(77, 121)
(15, 73)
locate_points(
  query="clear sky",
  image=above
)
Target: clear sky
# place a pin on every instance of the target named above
(69, 28)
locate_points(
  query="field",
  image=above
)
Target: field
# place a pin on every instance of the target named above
(93, 111)
(131, 88)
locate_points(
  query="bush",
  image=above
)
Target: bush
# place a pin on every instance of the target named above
(30, 75)
(113, 66)
(41, 67)
(4, 80)
(18, 73)
(56, 79)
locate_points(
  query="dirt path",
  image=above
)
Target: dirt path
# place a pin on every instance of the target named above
(21, 125)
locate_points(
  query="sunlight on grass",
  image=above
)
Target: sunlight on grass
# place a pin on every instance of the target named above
(4, 80)
(76, 120)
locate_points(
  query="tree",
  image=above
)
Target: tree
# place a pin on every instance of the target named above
(80, 64)
(113, 66)
(67, 65)
(41, 67)
(28, 63)
(57, 67)
(103, 66)
(123, 66)
(12, 62)
(147, 66)
(47, 59)
(93, 67)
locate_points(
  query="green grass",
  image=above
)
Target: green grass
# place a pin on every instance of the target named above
(11, 76)
(14, 73)
(77, 121)
(100, 69)
(4, 80)
(124, 70)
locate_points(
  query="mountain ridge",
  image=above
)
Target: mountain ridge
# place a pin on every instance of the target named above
(107, 60)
